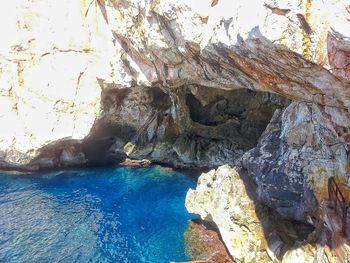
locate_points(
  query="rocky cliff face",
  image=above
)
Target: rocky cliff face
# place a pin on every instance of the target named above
(302, 147)
(49, 90)
(252, 231)
(185, 83)
(195, 126)
(221, 197)
(166, 76)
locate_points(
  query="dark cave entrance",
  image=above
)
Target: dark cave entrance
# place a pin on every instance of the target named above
(192, 126)
(239, 115)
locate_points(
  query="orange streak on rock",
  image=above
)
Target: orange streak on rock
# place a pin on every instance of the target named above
(214, 2)
(204, 19)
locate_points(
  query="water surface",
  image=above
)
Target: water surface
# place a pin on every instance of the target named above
(112, 214)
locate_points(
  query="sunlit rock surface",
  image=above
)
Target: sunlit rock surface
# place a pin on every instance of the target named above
(232, 45)
(338, 47)
(51, 56)
(203, 242)
(188, 83)
(221, 197)
(59, 60)
(251, 231)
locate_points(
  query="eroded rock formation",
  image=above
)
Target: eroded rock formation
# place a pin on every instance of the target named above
(191, 126)
(203, 242)
(302, 147)
(221, 197)
(251, 231)
(70, 68)
(187, 84)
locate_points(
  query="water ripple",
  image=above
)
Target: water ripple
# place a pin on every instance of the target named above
(99, 215)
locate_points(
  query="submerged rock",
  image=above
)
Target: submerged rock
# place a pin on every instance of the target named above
(203, 242)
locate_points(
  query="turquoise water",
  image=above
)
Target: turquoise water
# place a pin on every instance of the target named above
(111, 214)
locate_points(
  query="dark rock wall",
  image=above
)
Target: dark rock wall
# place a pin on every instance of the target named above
(186, 127)
(296, 155)
(290, 196)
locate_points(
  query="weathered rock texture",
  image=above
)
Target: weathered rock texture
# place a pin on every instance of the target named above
(187, 83)
(251, 231)
(212, 126)
(50, 59)
(69, 69)
(204, 243)
(302, 147)
(221, 197)
(339, 54)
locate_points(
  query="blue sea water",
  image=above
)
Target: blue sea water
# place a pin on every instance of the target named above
(110, 214)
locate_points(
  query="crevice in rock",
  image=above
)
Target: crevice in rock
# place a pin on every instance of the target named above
(244, 113)
(227, 197)
(92, 151)
(189, 126)
(289, 231)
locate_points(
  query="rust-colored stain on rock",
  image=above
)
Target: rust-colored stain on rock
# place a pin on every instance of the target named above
(277, 11)
(204, 244)
(214, 2)
(204, 19)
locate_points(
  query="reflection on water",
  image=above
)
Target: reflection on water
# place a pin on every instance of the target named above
(96, 215)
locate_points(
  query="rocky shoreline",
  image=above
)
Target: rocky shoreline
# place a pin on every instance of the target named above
(260, 90)
(251, 231)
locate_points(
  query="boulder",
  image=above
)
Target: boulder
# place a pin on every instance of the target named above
(221, 197)
(302, 147)
(251, 231)
(72, 69)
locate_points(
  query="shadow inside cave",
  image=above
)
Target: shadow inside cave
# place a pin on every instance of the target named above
(244, 72)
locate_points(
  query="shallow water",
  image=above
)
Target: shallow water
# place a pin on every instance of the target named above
(112, 214)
